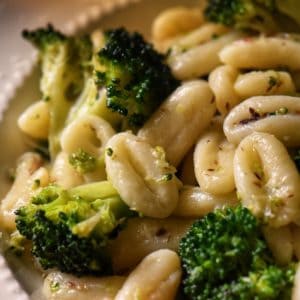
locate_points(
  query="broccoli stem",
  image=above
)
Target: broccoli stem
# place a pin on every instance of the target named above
(93, 191)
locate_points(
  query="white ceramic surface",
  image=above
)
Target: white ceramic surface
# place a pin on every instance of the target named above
(19, 84)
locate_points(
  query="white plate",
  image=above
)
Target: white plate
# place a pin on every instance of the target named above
(19, 83)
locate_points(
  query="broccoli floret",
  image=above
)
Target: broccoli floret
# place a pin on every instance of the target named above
(16, 243)
(259, 15)
(64, 63)
(71, 229)
(134, 75)
(43, 37)
(84, 162)
(225, 256)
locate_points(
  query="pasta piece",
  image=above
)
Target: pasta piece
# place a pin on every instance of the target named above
(278, 115)
(34, 121)
(200, 60)
(141, 175)
(262, 53)
(86, 133)
(280, 241)
(160, 270)
(30, 176)
(142, 236)
(204, 33)
(187, 173)
(63, 174)
(98, 175)
(267, 179)
(60, 286)
(180, 120)
(193, 202)
(90, 134)
(175, 21)
(221, 81)
(264, 83)
(213, 161)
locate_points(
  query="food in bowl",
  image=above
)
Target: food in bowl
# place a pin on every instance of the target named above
(164, 169)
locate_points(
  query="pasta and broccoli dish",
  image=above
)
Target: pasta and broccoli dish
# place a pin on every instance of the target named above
(165, 168)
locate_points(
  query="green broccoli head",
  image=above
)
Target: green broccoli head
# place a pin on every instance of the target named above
(83, 162)
(243, 14)
(135, 76)
(224, 256)
(67, 57)
(70, 229)
(259, 15)
(273, 282)
(65, 62)
(44, 37)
